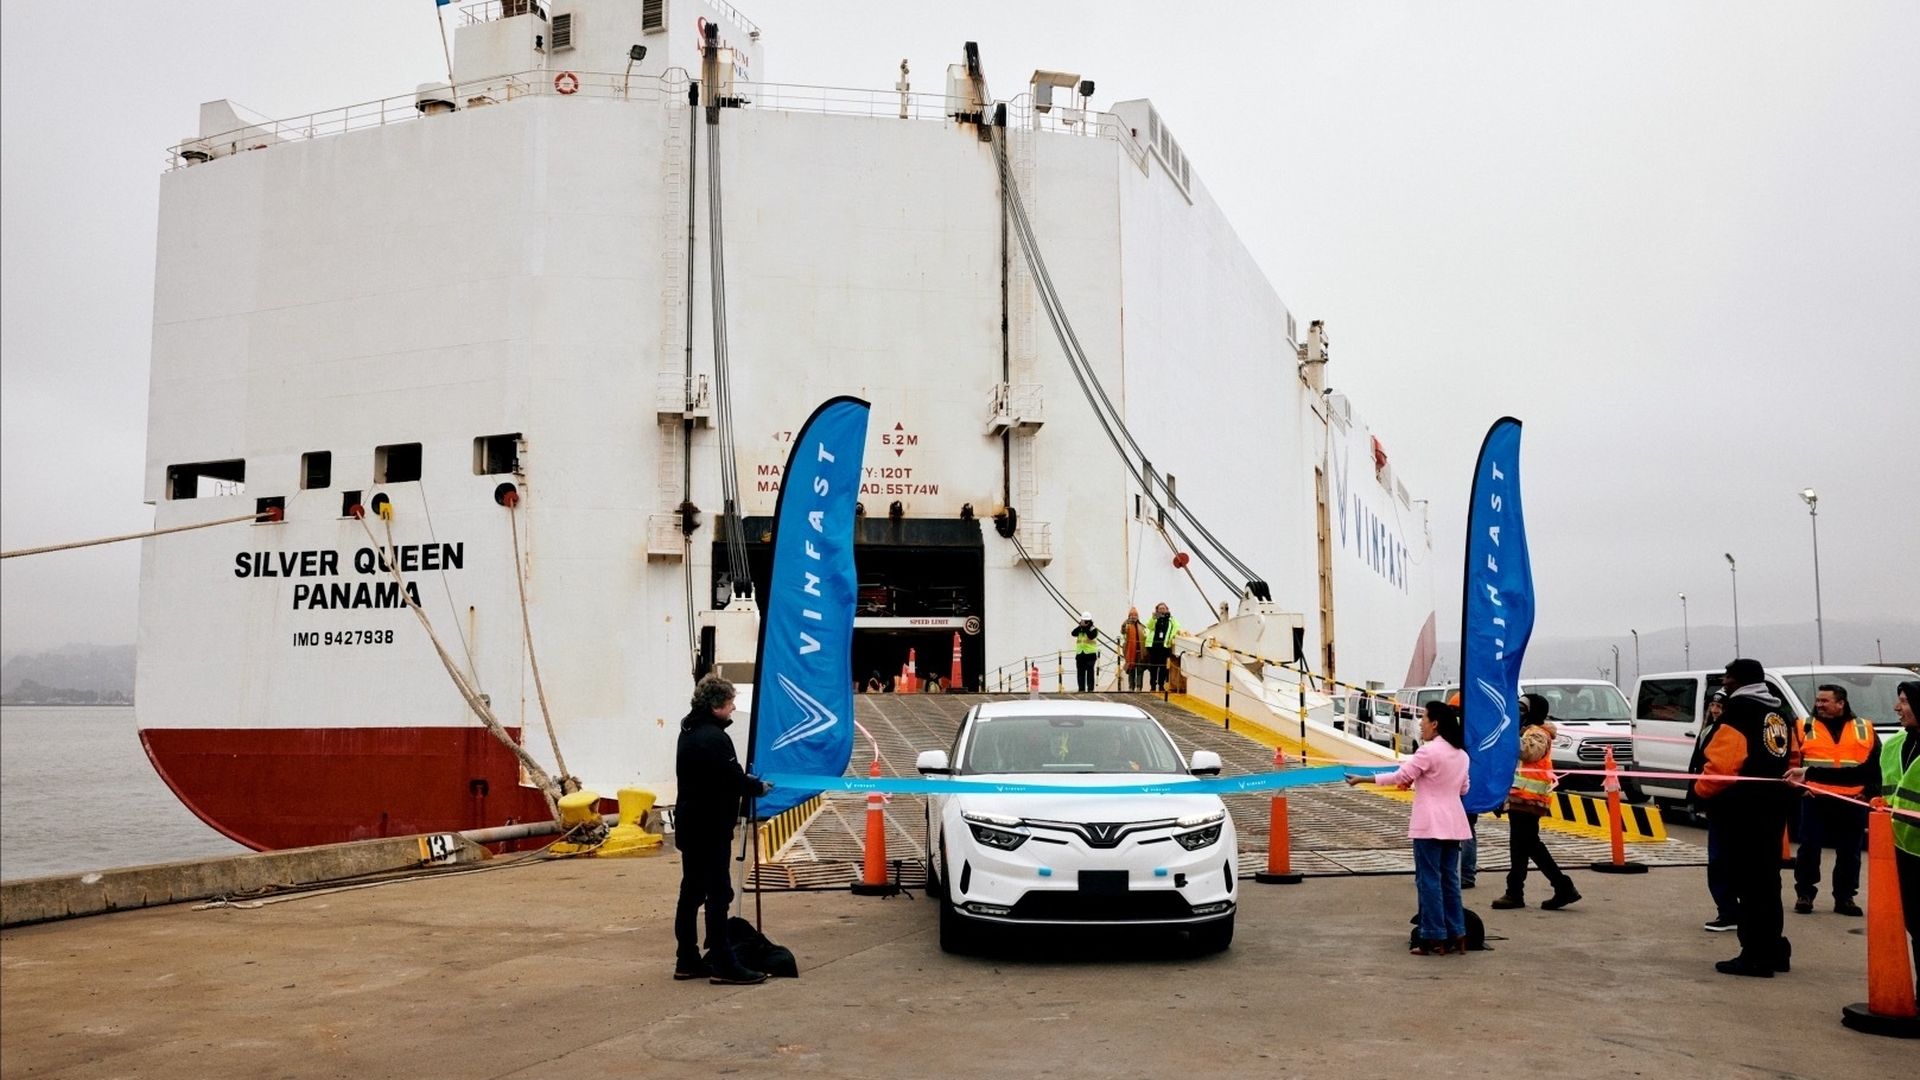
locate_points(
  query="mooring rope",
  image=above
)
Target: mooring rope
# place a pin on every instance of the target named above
(15, 553)
(568, 783)
(480, 708)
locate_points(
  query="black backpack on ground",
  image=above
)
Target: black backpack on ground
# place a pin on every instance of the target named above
(1476, 933)
(753, 950)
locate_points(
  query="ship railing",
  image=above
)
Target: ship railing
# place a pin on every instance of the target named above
(1084, 122)
(667, 87)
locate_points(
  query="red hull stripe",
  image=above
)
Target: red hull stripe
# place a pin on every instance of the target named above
(283, 788)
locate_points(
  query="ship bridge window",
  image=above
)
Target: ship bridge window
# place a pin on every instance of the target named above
(206, 479)
(495, 454)
(316, 470)
(396, 463)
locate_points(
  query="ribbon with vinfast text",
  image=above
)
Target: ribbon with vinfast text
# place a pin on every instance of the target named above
(912, 785)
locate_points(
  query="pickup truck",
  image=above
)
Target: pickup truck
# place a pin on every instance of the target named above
(1589, 716)
(1669, 707)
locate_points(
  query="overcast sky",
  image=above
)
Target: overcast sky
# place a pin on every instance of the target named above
(1680, 241)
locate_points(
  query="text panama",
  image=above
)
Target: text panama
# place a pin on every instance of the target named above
(370, 562)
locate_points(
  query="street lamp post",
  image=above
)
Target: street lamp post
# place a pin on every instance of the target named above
(1686, 633)
(1616, 665)
(1636, 652)
(1812, 500)
(1733, 570)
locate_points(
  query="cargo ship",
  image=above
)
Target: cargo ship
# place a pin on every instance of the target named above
(525, 348)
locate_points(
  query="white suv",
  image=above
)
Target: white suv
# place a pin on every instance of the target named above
(1010, 858)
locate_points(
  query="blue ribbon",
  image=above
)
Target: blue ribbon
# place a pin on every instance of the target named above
(909, 785)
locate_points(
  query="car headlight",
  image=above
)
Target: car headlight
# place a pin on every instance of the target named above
(995, 830)
(1196, 820)
(1199, 838)
(1563, 742)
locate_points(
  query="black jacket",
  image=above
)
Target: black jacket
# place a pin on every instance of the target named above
(712, 783)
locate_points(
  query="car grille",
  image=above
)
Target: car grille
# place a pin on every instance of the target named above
(1102, 834)
(1064, 906)
(1594, 751)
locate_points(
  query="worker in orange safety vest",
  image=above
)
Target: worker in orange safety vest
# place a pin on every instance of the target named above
(1841, 756)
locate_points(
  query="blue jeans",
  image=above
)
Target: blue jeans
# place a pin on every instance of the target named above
(1436, 875)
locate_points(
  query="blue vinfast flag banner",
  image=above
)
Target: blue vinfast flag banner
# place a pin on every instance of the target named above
(1496, 618)
(803, 683)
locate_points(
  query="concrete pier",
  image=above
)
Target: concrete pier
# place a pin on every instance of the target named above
(552, 968)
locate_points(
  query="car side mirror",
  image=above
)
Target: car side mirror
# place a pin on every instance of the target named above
(933, 763)
(1204, 763)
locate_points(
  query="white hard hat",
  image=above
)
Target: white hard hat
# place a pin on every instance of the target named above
(1086, 616)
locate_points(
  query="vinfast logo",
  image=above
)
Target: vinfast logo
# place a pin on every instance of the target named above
(1498, 701)
(814, 717)
(1375, 542)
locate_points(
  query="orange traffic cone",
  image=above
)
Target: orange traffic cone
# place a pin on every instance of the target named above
(1279, 869)
(1889, 1008)
(955, 679)
(1786, 849)
(1033, 681)
(873, 872)
(1616, 832)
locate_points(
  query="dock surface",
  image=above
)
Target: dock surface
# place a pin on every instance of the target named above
(552, 968)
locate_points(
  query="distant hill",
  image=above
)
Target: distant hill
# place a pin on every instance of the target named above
(1664, 649)
(71, 674)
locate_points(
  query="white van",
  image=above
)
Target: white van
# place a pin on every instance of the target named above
(1670, 706)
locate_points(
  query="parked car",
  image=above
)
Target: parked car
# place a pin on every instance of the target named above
(1670, 706)
(1408, 701)
(1001, 860)
(1589, 715)
(1371, 715)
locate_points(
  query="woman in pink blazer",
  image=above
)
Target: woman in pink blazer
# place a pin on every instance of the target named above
(1437, 773)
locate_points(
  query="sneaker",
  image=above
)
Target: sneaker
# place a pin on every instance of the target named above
(695, 968)
(1466, 883)
(1507, 902)
(1740, 965)
(1563, 894)
(1847, 907)
(1783, 956)
(1803, 906)
(1720, 924)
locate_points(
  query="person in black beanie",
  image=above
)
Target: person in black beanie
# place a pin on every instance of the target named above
(711, 787)
(1752, 748)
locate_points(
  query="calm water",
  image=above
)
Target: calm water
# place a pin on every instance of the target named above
(77, 793)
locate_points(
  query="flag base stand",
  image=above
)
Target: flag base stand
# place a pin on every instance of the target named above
(1858, 1017)
(1266, 878)
(885, 888)
(1610, 867)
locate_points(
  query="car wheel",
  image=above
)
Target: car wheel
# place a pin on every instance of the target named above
(1212, 937)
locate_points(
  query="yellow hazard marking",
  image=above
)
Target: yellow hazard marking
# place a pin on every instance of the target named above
(780, 828)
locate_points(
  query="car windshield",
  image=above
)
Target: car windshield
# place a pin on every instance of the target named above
(1581, 701)
(1870, 693)
(1069, 744)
